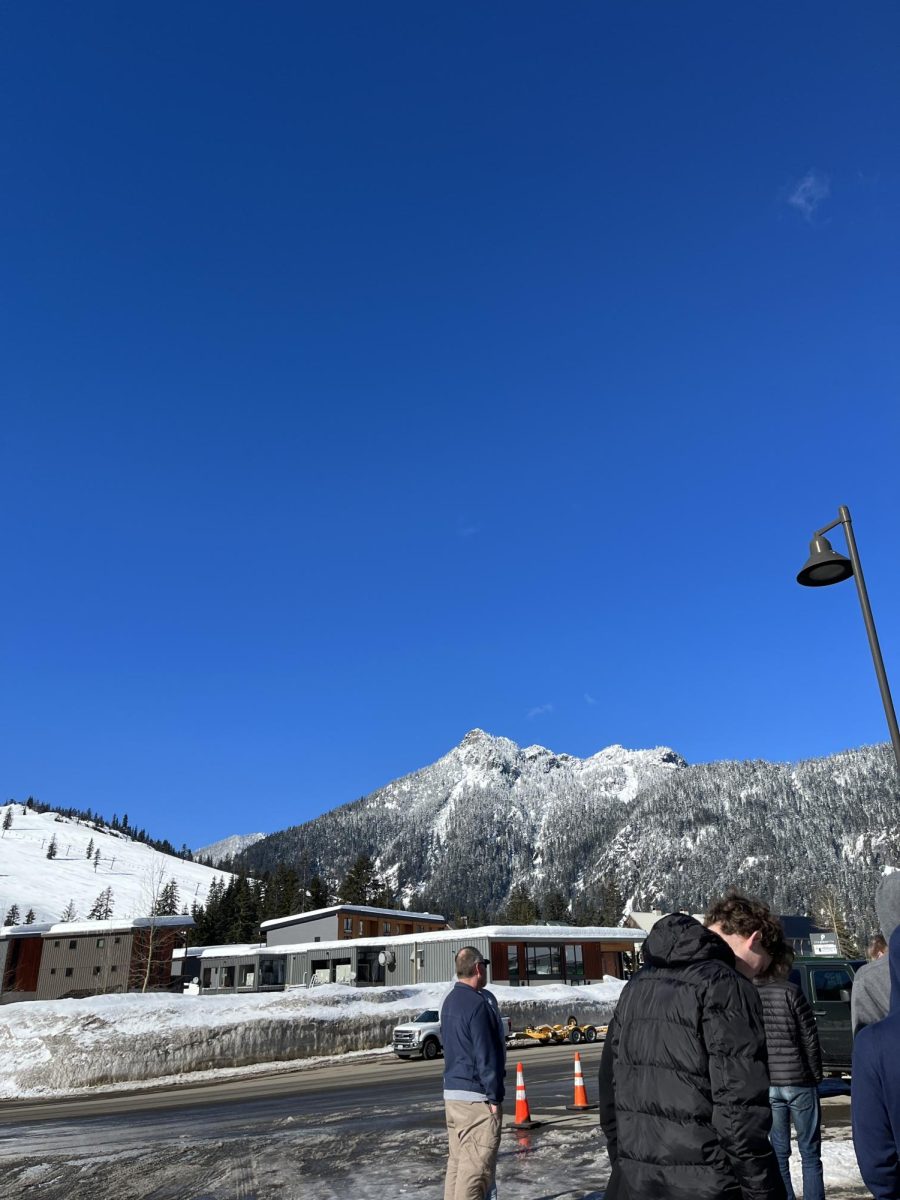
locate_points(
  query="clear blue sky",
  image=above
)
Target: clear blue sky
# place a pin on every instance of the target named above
(372, 372)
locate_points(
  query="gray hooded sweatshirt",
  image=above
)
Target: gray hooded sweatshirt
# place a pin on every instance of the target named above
(870, 1000)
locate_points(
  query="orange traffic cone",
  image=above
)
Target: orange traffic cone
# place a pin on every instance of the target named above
(523, 1113)
(581, 1100)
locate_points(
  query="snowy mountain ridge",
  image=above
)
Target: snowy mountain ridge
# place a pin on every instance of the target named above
(489, 817)
(228, 847)
(459, 834)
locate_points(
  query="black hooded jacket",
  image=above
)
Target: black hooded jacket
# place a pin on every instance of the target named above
(684, 1087)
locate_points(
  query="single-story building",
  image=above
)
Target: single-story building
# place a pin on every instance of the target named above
(518, 955)
(87, 958)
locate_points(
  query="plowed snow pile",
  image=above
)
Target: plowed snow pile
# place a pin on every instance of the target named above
(59, 1046)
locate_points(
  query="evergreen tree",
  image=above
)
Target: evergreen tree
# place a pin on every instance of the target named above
(553, 906)
(612, 905)
(102, 908)
(29, 917)
(96, 859)
(520, 908)
(357, 885)
(318, 895)
(70, 913)
(89, 853)
(168, 900)
(51, 849)
(12, 915)
(7, 819)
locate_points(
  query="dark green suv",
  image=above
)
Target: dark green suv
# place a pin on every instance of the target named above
(827, 983)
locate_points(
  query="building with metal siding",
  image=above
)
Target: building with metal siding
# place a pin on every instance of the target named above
(343, 922)
(97, 962)
(541, 954)
(48, 962)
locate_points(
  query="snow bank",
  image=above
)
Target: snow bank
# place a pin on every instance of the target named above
(54, 1046)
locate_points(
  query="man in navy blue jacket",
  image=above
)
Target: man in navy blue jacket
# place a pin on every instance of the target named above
(474, 1069)
(876, 1094)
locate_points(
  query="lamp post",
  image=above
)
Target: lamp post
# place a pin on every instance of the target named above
(825, 566)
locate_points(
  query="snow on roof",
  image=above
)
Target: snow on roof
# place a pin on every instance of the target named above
(237, 951)
(357, 908)
(513, 933)
(22, 930)
(71, 927)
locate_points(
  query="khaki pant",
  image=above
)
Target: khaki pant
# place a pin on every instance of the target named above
(474, 1135)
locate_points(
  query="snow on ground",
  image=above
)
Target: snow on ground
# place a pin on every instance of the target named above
(29, 879)
(270, 1152)
(55, 1047)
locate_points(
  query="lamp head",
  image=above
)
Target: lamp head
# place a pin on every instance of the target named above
(824, 565)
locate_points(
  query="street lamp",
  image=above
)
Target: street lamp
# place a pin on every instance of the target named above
(825, 566)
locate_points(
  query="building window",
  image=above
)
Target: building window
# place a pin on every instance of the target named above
(114, 967)
(72, 944)
(348, 924)
(101, 941)
(56, 944)
(512, 963)
(207, 976)
(96, 970)
(574, 963)
(116, 941)
(386, 927)
(247, 976)
(271, 972)
(360, 929)
(68, 972)
(543, 962)
(396, 929)
(228, 979)
(318, 939)
(53, 970)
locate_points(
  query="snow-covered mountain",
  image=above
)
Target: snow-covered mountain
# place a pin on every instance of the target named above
(131, 869)
(228, 847)
(459, 835)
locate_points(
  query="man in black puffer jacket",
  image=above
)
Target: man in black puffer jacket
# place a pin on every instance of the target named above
(795, 1069)
(684, 1089)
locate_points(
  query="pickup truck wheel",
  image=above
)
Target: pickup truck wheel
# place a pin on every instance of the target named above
(430, 1048)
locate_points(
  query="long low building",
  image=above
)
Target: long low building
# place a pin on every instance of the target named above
(519, 955)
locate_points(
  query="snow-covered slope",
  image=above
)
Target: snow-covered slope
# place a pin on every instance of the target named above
(229, 846)
(31, 880)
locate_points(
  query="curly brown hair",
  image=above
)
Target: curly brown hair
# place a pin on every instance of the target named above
(743, 915)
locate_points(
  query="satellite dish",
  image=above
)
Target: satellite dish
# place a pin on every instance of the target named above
(386, 958)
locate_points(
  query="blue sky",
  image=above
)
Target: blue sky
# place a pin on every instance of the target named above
(376, 372)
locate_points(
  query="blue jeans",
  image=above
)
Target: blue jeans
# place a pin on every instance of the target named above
(801, 1104)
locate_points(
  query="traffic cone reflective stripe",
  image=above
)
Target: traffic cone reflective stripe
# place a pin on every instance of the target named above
(581, 1100)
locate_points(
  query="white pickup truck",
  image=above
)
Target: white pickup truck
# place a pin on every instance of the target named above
(423, 1035)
